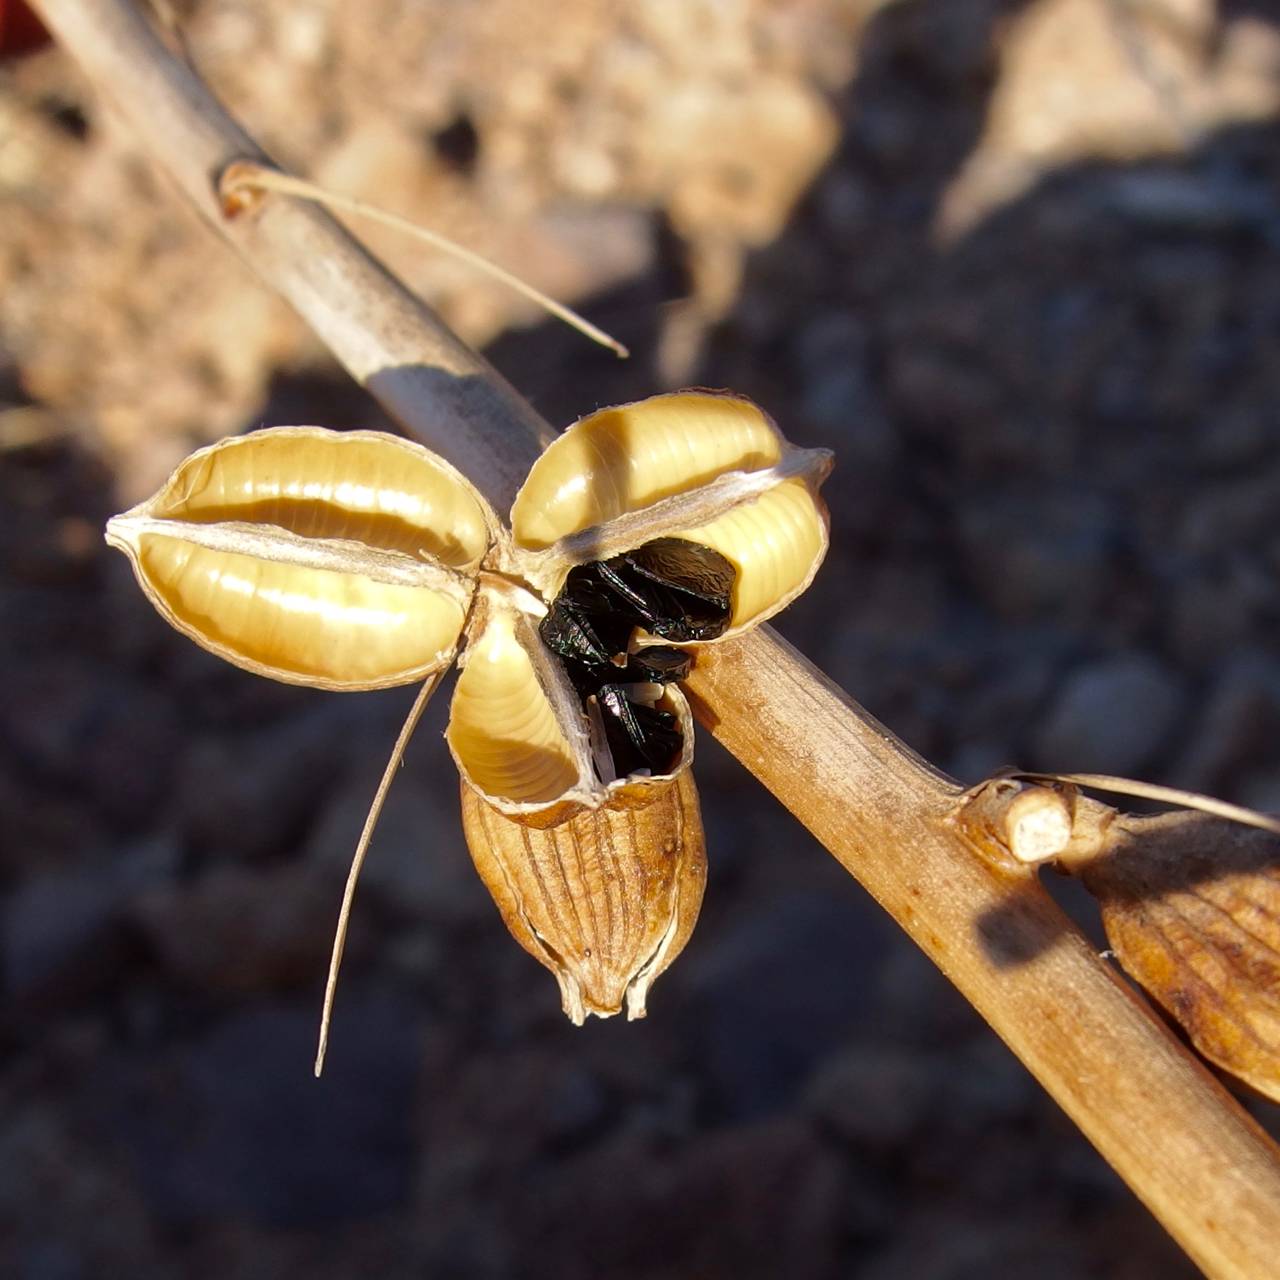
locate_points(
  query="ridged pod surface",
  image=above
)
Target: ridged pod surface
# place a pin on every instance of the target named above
(505, 722)
(775, 542)
(606, 898)
(621, 459)
(340, 561)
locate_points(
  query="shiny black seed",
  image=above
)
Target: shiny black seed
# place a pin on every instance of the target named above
(582, 636)
(673, 588)
(659, 664)
(584, 588)
(639, 736)
(687, 567)
(648, 666)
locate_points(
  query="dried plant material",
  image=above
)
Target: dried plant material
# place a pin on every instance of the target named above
(1029, 822)
(625, 459)
(358, 561)
(504, 728)
(245, 176)
(339, 561)
(357, 858)
(1166, 795)
(705, 466)
(1202, 1166)
(1039, 825)
(1191, 906)
(605, 898)
(1190, 900)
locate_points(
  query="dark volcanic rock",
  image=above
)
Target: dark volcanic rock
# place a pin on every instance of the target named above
(1113, 716)
(232, 1124)
(236, 930)
(778, 991)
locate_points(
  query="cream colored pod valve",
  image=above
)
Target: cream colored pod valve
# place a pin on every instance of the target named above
(359, 560)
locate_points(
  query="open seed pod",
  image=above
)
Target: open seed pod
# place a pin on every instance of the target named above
(598, 872)
(677, 520)
(674, 521)
(703, 466)
(359, 561)
(521, 734)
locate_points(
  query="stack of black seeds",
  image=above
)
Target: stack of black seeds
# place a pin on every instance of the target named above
(670, 588)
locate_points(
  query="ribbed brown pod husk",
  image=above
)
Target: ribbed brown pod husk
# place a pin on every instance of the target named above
(605, 897)
(1192, 911)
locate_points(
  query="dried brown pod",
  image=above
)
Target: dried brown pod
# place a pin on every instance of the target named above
(359, 560)
(606, 898)
(1191, 907)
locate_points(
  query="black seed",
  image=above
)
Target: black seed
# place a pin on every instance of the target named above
(584, 588)
(648, 666)
(660, 665)
(581, 636)
(671, 587)
(675, 589)
(687, 567)
(639, 736)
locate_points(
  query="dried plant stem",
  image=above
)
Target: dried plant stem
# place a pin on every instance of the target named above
(1203, 1167)
(1183, 1144)
(387, 339)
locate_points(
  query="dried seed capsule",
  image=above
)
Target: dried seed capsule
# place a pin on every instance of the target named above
(673, 588)
(350, 561)
(621, 460)
(514, 728)
(775, 543)
(1193, 914)
(606, 898)
(518, 728)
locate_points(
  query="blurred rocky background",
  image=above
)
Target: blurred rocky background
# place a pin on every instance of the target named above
(1016, 263)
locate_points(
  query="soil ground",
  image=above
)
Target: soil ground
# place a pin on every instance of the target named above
(1015, 263)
